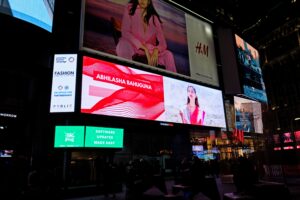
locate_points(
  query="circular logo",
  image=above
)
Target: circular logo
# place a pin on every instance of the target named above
(71, 59)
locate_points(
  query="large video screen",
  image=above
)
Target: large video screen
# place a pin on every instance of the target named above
(37, 12)
(165, 38)
(248, 115)
(248, 58)
(116, 90)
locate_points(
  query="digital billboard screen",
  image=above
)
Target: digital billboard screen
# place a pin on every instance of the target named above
(287, 137)
(117, 90)
(165, 39)
(69, 136)
(6, 153)
(297, 136)
(104, 137)
(249, 60)
(248, 115)
(37, 12)
(63, 83)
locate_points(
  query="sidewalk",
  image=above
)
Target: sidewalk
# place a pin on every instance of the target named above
(225, 188)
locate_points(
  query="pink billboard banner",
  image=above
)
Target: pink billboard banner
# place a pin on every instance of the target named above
(116, 90)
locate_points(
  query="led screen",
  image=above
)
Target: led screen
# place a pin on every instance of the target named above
(37, 12)
(69, 136)
(6, 153)
(63, 83)
(287, 137)
(181, 43)
(248, 58)
(197, 147)
(104, 137)
(248, 115)
(116, 90)
(297, 136)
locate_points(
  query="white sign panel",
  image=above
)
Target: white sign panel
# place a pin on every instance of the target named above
(63, 83)
(202, 56)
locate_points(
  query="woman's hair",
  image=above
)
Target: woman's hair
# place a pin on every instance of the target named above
(150, 10)
(196, 99)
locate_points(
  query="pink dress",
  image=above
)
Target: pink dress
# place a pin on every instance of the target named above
(134, 35)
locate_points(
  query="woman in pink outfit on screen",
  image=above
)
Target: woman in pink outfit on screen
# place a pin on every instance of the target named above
(191, 113)
(142, 34)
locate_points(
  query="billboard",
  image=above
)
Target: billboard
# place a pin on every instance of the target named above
(104, 137)
(115, 90)
(88, 136)
(37, 12)
(63, 83)
(69, 136)
(287, 137)
(248, 115)
(297, 136)
(165, 39)
(249, 60)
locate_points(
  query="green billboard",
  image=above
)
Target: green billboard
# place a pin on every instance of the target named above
(69, 136)
(104, 137)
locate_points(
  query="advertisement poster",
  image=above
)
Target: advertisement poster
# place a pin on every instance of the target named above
(69, 136)
(63, 83)
(201, 51)
(297, 136)
(116, 90)
(248, 58)
(193, 104)
(104, 137)
(287, 137)
(159, 40)
(248, 115)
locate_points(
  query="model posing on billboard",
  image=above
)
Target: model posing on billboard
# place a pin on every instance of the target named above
(142, 34)
(191, 113)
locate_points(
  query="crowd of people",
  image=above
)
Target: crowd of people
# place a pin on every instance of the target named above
(22, 182)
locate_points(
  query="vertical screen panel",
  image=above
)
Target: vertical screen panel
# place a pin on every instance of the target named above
(248, 58)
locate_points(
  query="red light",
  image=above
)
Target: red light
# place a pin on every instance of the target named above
(288, 147)
(277, 148)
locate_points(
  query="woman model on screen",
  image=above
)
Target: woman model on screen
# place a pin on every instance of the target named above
(142, 34)
(191, 113)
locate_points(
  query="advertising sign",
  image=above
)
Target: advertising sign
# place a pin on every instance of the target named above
(104, 137)
(69, 136)
(248, 58)
(248, 115)
(116, 90)
(165, 39)
(63, 83)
